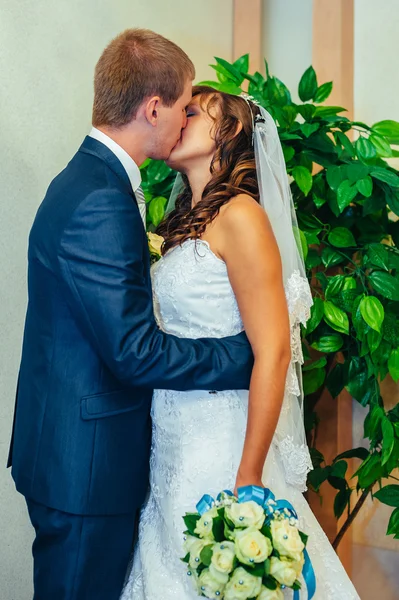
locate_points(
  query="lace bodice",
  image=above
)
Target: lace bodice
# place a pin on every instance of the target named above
(192, 293)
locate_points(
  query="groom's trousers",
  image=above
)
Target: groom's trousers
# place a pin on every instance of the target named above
(80, 557)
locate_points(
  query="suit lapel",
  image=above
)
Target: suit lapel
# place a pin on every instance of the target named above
(96, 148)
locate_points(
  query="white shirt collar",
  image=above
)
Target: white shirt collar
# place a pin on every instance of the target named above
(128, 163)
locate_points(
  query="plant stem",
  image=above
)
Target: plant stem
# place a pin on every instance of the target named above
(351, 517)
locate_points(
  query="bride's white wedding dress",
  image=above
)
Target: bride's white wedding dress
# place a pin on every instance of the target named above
(198, 439)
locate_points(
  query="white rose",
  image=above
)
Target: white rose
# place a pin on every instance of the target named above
(209, 586)
(286, 539)
(195, 552)
(205, 523)
(252, 546)
(246, 514)
(226, 499)
(223, 557)
(297, 565)
(155, 242)
(192, 574)
(283, 570)
(189, 540)
(267, 594)
(242, 586)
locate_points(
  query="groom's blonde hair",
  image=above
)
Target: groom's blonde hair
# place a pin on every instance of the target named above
(136, 65)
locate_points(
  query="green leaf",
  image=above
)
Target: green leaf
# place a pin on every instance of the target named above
(324, 112)
(318, 476)
(303, 179)
(309, 128)
(387, 128)
(341, 237)
(339, 468)
(156, 210)
(316, 456)
(288, 152)
(190, 521)
(145, 164)
(313, 380)
(372, 312)
(308, 85)
(218, 529)
(393, 525)
(330, 257)
(370, 471)
(393, 365)
(335, 285)
(386, 284)
(231, 70)
(361, 453)
(186, 559)
(158, 171)
(356, 170)
(386, 176)
(345, 142)
(329, 343)
(337, 379)
(307, 111)
(242, 63)
(341, 502)
(357, 376)
(323, 92)
(388, 495)
(335, 176)
(365, 186)
(317, 364)
(377, 256)
(346, 193)
(365, 149)
(206, 555)
(316, 315)
(217, 85)
(388, 439)
(335, 317)
(392, 199)
(381, 145)
(373, 340)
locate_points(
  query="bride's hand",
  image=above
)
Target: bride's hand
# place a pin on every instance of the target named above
(245, 477)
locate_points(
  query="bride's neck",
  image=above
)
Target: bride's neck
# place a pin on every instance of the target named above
(198, 180)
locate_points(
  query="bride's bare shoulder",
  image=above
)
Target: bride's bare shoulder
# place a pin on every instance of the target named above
(242, 211)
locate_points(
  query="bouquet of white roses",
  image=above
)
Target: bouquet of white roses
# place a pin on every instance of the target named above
(246, 548)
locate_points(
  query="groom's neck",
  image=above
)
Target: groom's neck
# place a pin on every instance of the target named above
(130, 139)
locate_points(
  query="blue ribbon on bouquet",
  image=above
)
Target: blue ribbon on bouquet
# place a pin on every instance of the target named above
(265, 498)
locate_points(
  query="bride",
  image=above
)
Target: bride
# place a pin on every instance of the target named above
(230, 261)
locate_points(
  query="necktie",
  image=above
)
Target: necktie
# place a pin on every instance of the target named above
(141, 203)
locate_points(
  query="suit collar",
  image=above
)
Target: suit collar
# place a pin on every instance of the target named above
(96, 148)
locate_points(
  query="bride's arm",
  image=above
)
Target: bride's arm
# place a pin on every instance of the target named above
(247, 245)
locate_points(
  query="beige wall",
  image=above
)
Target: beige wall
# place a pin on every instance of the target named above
(376, 95)
(287, 39)
(48, 53)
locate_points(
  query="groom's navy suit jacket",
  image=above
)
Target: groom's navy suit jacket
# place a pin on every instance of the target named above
(92, 351)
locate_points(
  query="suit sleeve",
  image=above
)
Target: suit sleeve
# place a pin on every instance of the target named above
(101, 263)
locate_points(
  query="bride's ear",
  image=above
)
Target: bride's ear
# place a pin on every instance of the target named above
(238, 128)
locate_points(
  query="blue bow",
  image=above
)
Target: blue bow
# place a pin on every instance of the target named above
(265, 498)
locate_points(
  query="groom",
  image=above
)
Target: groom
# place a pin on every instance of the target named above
(92, 352)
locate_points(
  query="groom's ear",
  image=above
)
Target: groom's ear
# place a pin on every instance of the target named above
(151, 110)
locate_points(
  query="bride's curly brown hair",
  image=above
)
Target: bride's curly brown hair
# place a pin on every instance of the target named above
(233, 168)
